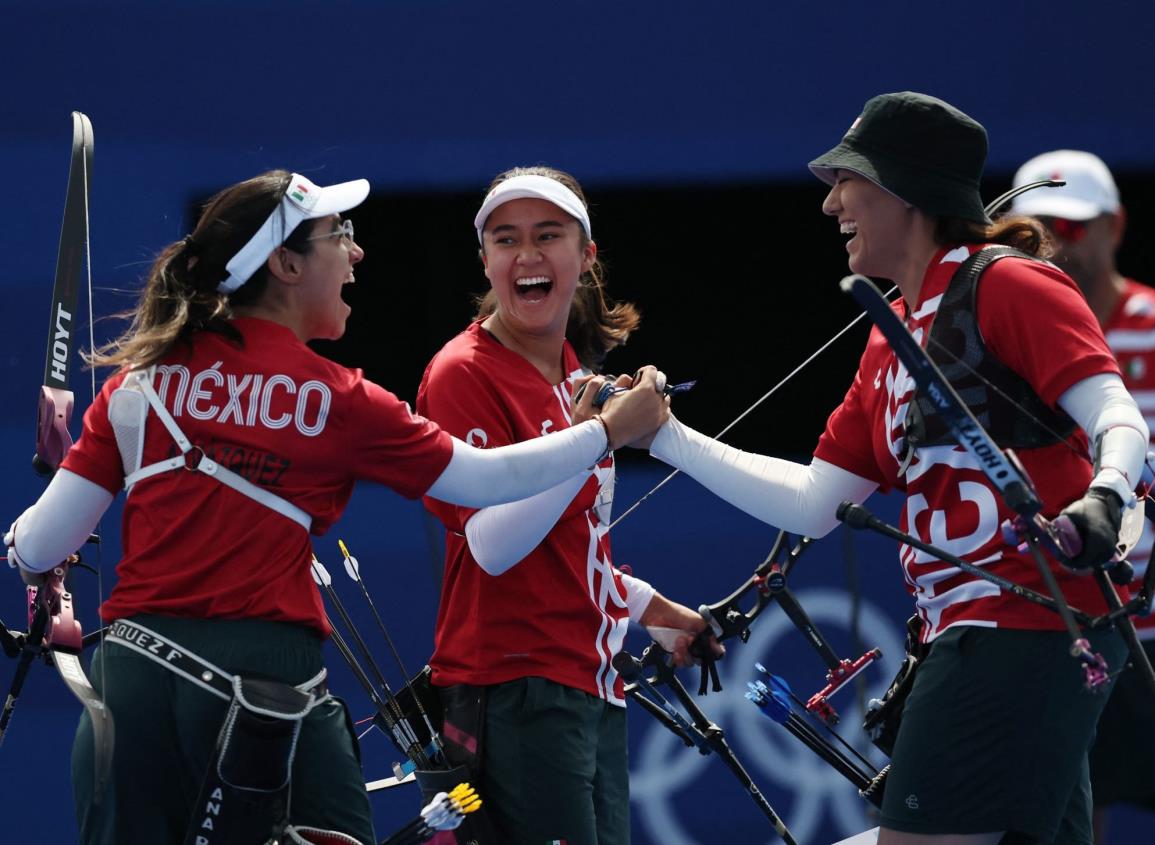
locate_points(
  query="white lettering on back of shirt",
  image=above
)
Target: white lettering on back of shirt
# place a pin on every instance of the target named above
(247, 399)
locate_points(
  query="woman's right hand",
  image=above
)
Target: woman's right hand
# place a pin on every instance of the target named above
(636, 413)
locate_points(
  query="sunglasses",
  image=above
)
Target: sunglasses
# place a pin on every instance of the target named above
(1068, 231)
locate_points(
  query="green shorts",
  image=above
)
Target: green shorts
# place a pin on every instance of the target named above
(1123, 756)
(166, 729)
(994, 737)
(554, 765)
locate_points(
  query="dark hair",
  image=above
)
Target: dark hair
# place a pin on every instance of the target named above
(596, 323)
(180, 295)
(1023, 233)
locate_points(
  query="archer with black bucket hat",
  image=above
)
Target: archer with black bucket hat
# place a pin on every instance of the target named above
(992, 746)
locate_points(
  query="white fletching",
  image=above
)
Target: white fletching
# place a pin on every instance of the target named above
(435, 807)
(321, 574)
(352, 568)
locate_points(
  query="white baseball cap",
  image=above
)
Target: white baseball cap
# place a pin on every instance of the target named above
(302, 201)
(1089, 192)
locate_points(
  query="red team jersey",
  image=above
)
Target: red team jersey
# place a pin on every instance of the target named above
(286, 419)
(561, 612)
(1130, 332)
(950, 503)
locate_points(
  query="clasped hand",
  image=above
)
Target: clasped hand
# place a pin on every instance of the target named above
(633, 414)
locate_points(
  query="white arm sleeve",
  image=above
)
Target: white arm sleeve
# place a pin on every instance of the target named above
(799, 498)
(500, 536)
(478, 478)
(1118, 433)
(638, 595)
(59, 523)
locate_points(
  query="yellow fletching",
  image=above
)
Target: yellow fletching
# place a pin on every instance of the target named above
(473, 804)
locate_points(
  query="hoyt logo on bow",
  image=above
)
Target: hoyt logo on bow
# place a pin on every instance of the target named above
(1009, 477)
(54, 633)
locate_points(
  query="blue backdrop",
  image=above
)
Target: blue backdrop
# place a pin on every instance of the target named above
(432, 95)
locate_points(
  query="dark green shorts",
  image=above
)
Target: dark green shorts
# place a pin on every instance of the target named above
(166, 729)
(554, 765)
(994, 737)
(1123, 756)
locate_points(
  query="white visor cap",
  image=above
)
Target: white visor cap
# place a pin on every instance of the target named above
(302, 201)
(533, 186)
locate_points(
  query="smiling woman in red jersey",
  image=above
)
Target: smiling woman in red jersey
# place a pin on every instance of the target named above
(235, 442)
(532, 608)
(993, 741)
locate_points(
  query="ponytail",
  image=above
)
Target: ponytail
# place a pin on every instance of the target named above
(1023, 233)
(180, 296)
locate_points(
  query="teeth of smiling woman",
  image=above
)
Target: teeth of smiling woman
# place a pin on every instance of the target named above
(533, 280)
(848, 228)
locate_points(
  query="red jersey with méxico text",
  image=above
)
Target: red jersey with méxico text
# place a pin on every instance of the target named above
(950, 503)
(1130, 332)
(287, 420)
(560, 613)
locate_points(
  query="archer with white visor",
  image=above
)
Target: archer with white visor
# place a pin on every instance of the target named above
(236, 442)
(533, 609)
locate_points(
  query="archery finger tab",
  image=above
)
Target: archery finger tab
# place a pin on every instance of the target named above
(675, 389)
(604, 393)
(602, 388)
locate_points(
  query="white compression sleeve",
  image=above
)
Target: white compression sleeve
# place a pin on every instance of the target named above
(799, 498)
(638, 595)
(478, 478)
(60, 521)
(1118, 433)
(500, 536)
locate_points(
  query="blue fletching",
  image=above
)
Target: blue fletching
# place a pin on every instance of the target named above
(778, 684)
(777, 708)
(774, 705)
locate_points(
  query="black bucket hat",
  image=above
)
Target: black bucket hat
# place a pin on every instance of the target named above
(919, 148)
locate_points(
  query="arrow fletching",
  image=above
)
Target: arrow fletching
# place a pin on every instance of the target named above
(320, 574)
